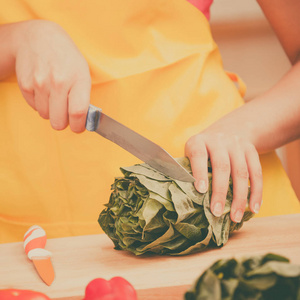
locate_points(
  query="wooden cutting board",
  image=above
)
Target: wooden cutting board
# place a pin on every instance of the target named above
(78, 260)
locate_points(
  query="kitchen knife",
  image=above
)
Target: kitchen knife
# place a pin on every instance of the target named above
(34, 243)
(139, 146)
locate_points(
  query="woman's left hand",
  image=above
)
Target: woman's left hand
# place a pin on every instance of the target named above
(230, 154)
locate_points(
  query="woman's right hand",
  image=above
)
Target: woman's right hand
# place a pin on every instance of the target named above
(52, 74)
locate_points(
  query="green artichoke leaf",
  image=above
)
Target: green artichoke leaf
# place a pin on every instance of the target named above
(158, 187)
(187, 187)
(263, 277)
(220, 225)
(157, 244)
(183, 204)
(144, 169)
(192, 229)
(151, 212)
(168, 204)
(279, 268)
(199, 246)
(191, 232)
(229, 287)
(210, 287)
(259, 282)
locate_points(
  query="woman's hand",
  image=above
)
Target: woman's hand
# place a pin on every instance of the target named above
(232, 155)
(52, 74)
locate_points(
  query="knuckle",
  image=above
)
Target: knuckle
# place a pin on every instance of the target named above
(47, 24)
(77, 129)
(88, 80)
(188, 146)
(58, 126)
(219, 135)
(250, 148)
(221, 166)
(258, 174)
(256, 196)
(197, 152)
(237, 141)
(240, 203)
(194, 147)
(44, 114)
(84, 73)
(218, 138)
(236, 138)
(58, 81)
(39, 82)
(241, 173)
(26, 87)
(195, 139)
(220, 192)
(77, 114)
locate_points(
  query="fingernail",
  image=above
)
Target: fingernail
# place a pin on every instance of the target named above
(256, 208)
(201, 186)
(238, 216)
(218, 209)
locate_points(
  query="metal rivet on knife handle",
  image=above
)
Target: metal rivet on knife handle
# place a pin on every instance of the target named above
(93, 118)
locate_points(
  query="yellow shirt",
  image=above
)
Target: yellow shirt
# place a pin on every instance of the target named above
(155, 68)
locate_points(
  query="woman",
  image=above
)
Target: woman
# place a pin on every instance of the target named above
(153, 66)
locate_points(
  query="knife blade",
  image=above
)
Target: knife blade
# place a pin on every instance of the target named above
(34, 243)
(144, 149)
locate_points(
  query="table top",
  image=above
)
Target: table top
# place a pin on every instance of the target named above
(78, 260)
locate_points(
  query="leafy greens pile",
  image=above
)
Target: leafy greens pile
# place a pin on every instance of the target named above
(264, 277)
(151, 212)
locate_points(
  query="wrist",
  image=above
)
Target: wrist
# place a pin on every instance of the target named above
(7, 50)
(236, 124)
(12, 34)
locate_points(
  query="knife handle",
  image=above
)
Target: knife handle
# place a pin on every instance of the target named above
(35, 241)
(93, 118)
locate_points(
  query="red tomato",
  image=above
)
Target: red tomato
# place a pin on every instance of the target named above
(116, 288)
(14, 294)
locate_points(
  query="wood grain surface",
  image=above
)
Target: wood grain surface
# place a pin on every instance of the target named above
(78, 260)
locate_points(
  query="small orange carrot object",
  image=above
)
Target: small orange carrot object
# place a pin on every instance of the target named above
(34, 244)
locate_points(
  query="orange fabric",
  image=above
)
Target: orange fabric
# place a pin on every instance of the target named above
(155, 68)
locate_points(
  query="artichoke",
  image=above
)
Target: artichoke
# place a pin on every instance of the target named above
(262, 277)
(149, 212)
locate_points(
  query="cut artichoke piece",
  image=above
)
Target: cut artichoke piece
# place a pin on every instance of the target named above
(266, 277)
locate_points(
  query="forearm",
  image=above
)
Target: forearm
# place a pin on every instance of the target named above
(269, 120)
(233, 143)
(7, 57)
(278, 113)
(283, 16)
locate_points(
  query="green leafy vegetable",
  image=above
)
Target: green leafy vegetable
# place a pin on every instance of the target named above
(150, 212)
(264, 277)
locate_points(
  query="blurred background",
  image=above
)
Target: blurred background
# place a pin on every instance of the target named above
(250, 48)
